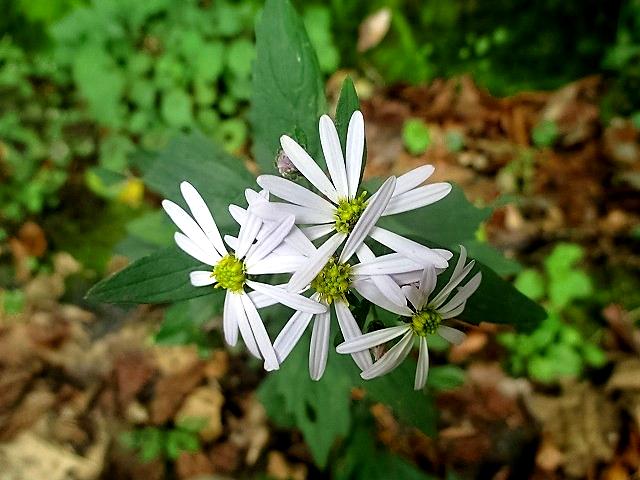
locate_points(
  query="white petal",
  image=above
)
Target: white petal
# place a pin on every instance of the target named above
(290, 335)
(260, 300)
(410, 249)
(446, 254)
(248, 232)
(412, 179)
(417, 198)
(355, 150)
(276, 263)
(239, 214)
(453, 282)
(203, 216)
(422, 370)
(386, 265)
(275, 211)
(270, 241)
(371, 292)
(391, 359)
(318, 231)
(291, 300)
(260, 334)
(294, 193)
(453, 313)
(427, 283)
(350, 329)
(368, 219)
(188, 225)
(230, 321)
(201, 278)
(209, 257)
(452, 335)
(317, 261)
(307, 167)
(463, 294)
(319, 350)
(372, 339)
(239, 313)
(413, 295)
(231, 241)
(407, 278)
(298, 240)
(333, 155)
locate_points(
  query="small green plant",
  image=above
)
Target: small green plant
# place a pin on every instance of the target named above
(155, 442)
(415, 135)
(554, 349)
(545, 134)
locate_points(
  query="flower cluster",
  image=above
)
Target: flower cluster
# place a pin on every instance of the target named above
(318, 236)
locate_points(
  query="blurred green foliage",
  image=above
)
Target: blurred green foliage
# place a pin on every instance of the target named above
(415, 135)
(556, 348)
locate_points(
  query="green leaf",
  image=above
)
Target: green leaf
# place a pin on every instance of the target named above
(288, 92)
(176, 108)
(319, 409)
(415, 135)
(445, 377)
(545, 133)
(179, 441)
(161, 277)
(531, 283)
(151, 441)
(240, 57)
(347, 104)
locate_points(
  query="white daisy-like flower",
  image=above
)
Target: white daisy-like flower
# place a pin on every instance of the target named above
(423, 318)
(331, 284)
(201, 239)
(341, 208)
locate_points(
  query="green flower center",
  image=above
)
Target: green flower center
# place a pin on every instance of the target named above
(348, 212)
(230, 273)
(333, 281)
(425, 322)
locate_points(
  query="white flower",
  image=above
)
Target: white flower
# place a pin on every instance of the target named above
(424, 318)
(200, 238)
(331, 283)
(342, 209)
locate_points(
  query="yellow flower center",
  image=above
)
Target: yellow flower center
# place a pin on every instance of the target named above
(425, 322)
(348, 212)
(332, 283)
(230, 273)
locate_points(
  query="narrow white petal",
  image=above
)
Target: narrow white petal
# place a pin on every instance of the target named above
(355, 150)
(391, 289)
(446, 254)
(239, 313)
(368, 219)
(203, 216)
(417, 198)
(371, 292)
(372, 339)
(350, 330)
(298, 240)
(413, 178)
(452, 335)
(453, 313)
(275, 211)
(427, 283)
(256, 197)
(294, 193)
(318, 231)
(260, 334)
(188, 225)
(333, 155)
(239, 214)
(291, 300)
(276, 263)
(231, 241)
(462, 258)
(413, 295)
(407, 278)
(463, 294)
(319, 350)
(248, 233)
(230, 321)
(265, 245)
(260, 300)
(201, 278)
(389, 264)
(307, 167)
(209, 257)
(317, 261)
(290, 335)
(422, 370)
(391, 359)
(453, 282)
(410, 249)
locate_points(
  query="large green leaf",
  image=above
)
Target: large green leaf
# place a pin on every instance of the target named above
(288, 93)
(347, 104)
(161, 277)
(219, 177)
